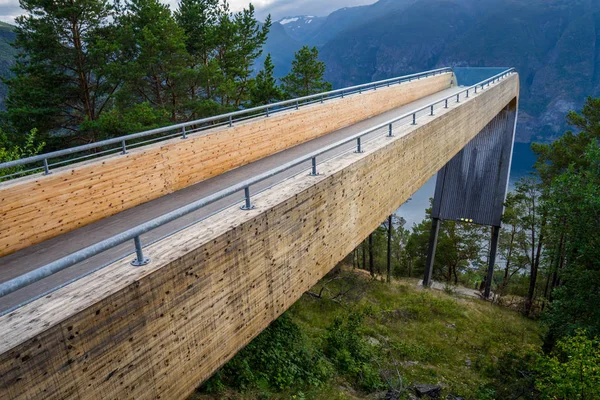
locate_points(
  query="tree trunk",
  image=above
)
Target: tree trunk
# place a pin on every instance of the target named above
(371, 261)
(389, 250)
(536, 252)
(364, 256)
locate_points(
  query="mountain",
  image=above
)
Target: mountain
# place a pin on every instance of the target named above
(554, 44)
(281, 46)
(302, 28)
(7, 56)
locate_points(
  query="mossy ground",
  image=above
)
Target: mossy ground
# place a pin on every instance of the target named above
(428, 336)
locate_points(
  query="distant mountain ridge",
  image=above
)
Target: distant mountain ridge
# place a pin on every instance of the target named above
(554, 44)
(302, 27)
(7, 57)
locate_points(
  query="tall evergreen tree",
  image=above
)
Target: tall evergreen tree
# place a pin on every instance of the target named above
(59, 80)
(241, 39)
(266, 90)
(200, 21)
(306, 76)
(155, 56)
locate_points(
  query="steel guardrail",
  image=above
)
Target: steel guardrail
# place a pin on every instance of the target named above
(186, 129)
(135, 233)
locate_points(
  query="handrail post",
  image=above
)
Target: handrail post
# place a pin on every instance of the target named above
(475, 89)
(183, 134)
(414, 119)
(248, 203)
(46, 167)
(267, 111)
(467, 93)
(313, 171)
(446, 106)
(322, 98)
(390, 131)
(432, 109)
(140, 260)
(458, 97)
(124, 147)
(297, 105)
(358, 146)
(230, 121)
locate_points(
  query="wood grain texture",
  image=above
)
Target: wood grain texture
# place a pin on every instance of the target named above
(160, 330)
(37, 208)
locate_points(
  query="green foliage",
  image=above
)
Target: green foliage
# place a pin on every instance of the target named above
(459, 249)
(574, 200)
(120, 66)
(278, 359)
(572, 372)
(571, 169)
(349, 351)
(265, 90)
(306, 76)
(31, 147)
(59, 80)
(472, 347)
(139, 117)
(153, 58)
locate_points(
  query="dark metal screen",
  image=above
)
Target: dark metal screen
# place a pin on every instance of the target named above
(473, 185)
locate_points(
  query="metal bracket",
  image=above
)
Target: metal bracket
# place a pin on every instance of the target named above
(137, 263)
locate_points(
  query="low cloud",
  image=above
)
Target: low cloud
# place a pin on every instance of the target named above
(9, 10)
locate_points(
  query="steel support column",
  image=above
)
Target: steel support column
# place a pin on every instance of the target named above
(435, 230)
(491, 261)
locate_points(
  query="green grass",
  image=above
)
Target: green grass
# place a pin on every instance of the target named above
(430, 336)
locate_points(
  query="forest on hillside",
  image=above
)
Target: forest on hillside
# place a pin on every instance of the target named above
(125, 67)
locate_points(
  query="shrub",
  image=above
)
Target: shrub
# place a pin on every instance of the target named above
(572, 372)
(278, 359)
(350, 352)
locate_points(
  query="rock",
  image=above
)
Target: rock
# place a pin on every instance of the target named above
(431, 391)
(373, 342)
(454, 397)
(450, 325)
(392, 395)
(412, 397)
(408, 363)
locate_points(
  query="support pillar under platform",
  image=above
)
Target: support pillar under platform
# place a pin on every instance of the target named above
(491, 261)
(435, 230)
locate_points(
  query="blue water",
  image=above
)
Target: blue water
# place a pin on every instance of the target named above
(414, 210)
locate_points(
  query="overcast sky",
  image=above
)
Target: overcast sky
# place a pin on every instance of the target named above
(9, 9)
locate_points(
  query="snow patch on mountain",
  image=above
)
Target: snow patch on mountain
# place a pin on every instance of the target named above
(286, 21)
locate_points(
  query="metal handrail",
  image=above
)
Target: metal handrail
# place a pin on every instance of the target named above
(135, 233)
(228, 118)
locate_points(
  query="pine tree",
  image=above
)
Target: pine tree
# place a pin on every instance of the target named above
(306, 76)
(59, 77)
(200, 21)
(266, 90)
(241, 39)
(155, 56)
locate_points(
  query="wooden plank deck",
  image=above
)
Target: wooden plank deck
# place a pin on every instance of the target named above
(38, 255)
